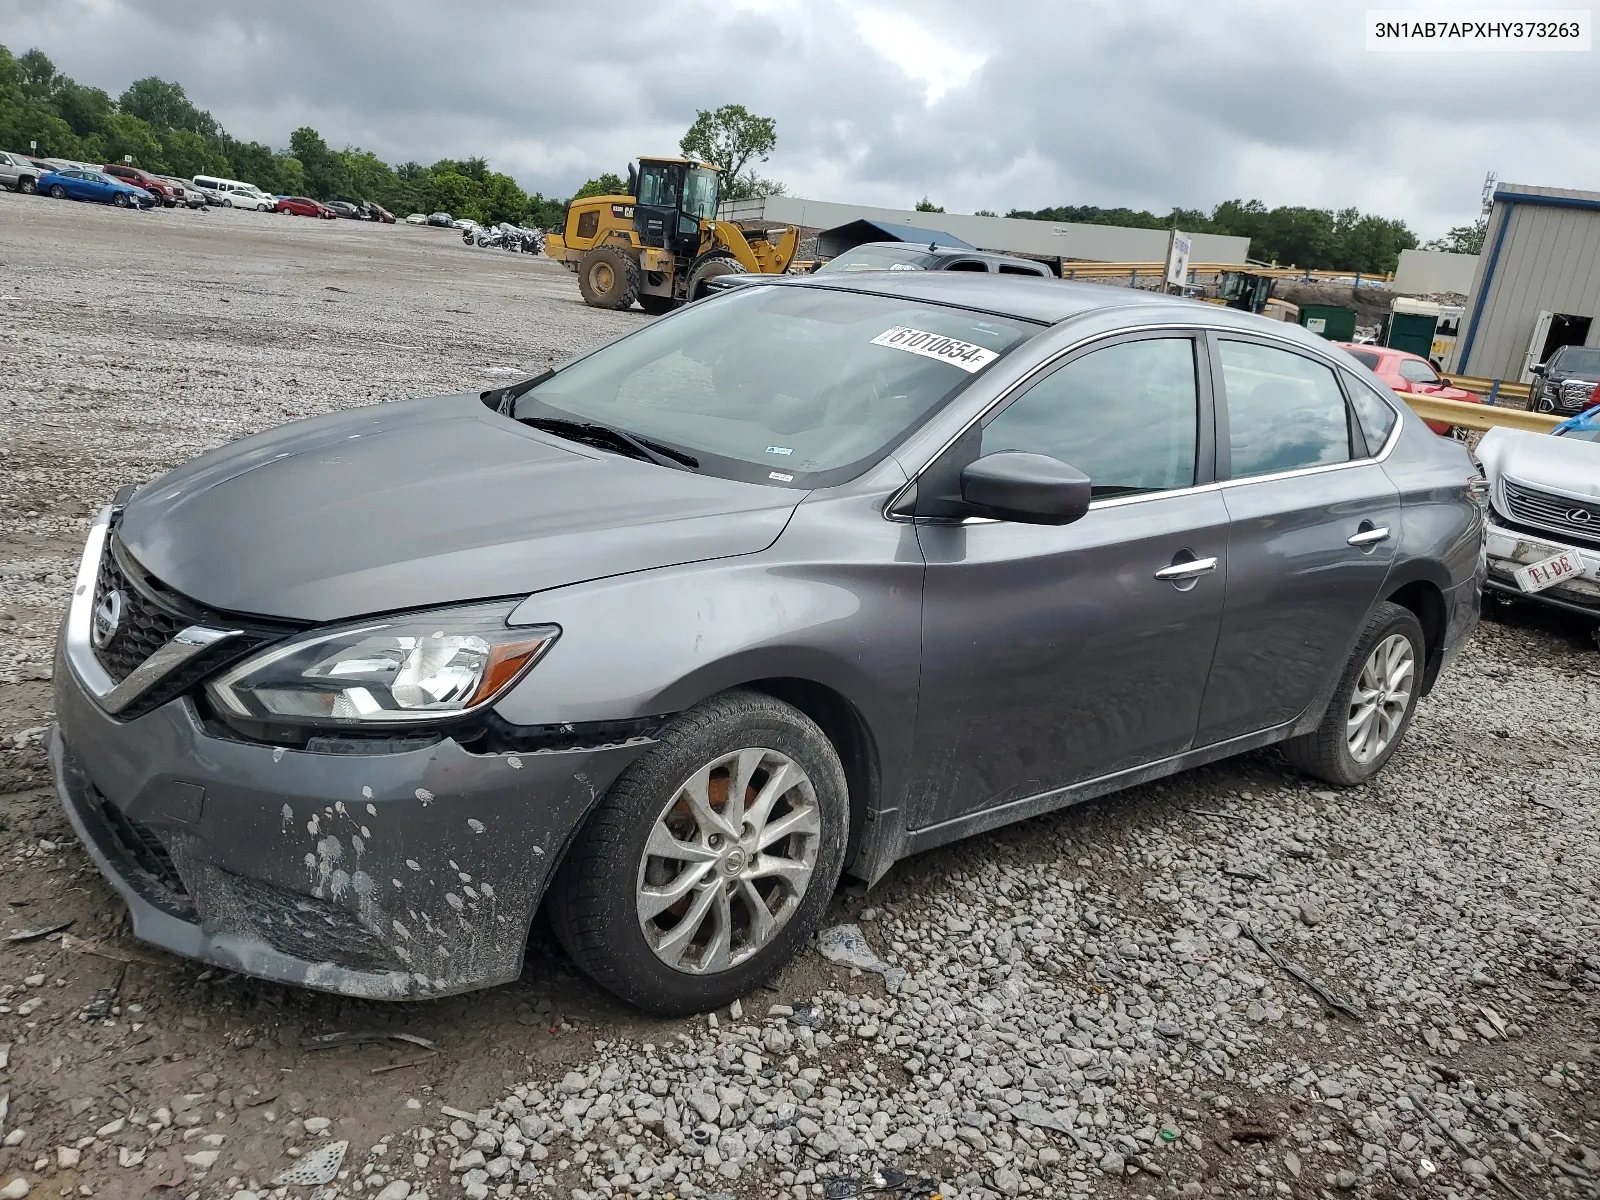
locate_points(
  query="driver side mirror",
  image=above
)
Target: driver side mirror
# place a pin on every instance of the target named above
(1538, 368)
(1034, 489)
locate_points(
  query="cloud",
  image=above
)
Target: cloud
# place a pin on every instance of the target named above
(1027, 103)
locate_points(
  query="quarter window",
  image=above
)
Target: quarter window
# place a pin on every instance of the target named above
(1285, 412)
(1126, 416)
(1376, 417)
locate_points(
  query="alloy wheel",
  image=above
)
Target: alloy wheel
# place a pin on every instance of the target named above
(1381, 697)
(728, 861)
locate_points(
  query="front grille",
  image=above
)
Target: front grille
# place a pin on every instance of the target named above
(301, 926)
(1578, 519)
(146, 854)
(145, 626)
(151, 616)
(1576, 394)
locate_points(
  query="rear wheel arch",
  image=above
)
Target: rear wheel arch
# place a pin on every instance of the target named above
(1425, 600)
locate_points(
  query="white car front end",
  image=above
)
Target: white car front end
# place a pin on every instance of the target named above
(1543, 539)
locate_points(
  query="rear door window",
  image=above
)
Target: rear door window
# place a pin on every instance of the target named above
(1285, 412)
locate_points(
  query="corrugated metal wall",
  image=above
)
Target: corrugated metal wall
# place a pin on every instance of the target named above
(1548, 258)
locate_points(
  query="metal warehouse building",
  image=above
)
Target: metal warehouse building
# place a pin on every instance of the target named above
(1537, 285)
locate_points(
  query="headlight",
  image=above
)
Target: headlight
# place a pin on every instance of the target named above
(406, 669)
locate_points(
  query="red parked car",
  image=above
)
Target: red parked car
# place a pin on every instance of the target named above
(159, 188)
(302, 206)
(1404, 372)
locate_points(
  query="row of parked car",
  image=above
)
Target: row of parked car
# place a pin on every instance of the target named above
(130, 187)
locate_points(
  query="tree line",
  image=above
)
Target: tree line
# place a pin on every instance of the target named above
(164, 132)
(1315, 239)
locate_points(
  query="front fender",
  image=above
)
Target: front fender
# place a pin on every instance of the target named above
(835, 601)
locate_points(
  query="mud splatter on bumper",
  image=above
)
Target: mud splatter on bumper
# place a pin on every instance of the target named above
(386, 876)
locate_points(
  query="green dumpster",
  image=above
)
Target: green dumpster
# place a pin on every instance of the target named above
(1412, 332)
(1336, 322)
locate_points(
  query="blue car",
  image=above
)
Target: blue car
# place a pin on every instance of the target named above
(94, 185)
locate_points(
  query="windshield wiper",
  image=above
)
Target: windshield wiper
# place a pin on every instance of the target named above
(616, 439)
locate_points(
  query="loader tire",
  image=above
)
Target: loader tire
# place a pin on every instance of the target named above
(657, 305)
(608, 278)
(708, 266)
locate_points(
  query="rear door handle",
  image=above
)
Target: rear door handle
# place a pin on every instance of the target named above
(1187, 570)
(1369, 537)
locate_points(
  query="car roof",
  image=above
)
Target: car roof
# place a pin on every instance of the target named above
(1044, 300)
(1382, 351)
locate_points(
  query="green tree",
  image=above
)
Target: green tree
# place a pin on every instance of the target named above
(39, 78)
(734, 139)
(926, 205)
(323, 177)
(188, 154)
(454, 193)
(126, 136)
(984, 212)
(1461, 239)
(165, 106)
(87, 110)
(608, 184)
(254, 163)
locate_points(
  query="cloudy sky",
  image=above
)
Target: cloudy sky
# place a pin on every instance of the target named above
(1003, 104)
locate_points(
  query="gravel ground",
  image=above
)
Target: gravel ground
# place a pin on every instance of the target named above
(1087, 1006)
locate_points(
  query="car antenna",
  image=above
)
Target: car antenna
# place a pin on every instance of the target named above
(933, 245)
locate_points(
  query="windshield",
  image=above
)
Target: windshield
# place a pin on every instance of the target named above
(784, 385)
(877, 258)
(700, 193)
(1579, 361)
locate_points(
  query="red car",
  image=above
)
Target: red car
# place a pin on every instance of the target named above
(1405, 372)
(159, 188)
(302, 206)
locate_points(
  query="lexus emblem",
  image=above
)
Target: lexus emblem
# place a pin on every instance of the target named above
(107, 618)
(1579, 516)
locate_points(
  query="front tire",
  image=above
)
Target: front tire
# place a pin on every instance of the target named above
(58, 192)
(1373, 705)
(120, 200)
(657, 305)
(227, 204)
(711, 859)
(27, 187)
(707, 267)
(608, 278)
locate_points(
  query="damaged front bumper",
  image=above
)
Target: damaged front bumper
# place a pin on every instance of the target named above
(386, 876)
(1509, 549)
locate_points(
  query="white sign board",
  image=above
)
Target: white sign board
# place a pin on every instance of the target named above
(1178, 259)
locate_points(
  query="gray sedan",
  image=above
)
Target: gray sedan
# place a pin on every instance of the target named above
(792, 583)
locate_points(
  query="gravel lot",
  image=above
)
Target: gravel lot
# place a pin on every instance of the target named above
(1085, 1010)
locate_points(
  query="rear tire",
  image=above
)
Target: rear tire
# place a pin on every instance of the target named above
(613, 877)
(1379, 669)
(657, 305)
(608, 278)
(708, 266)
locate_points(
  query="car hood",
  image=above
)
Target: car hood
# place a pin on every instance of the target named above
(1562, 464)
(421, 503)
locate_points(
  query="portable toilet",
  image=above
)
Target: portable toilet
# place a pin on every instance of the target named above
(1336, 322)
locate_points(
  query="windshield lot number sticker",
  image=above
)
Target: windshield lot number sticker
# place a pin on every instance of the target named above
(780, 449)
(936, 346)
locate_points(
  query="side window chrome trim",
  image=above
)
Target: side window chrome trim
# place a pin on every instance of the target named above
(1341, 371)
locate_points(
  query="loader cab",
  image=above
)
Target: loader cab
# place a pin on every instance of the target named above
(672, 198)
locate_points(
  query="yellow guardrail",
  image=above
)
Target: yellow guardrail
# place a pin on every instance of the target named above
(1490, 387)
(1477, 416)
(1095, 270)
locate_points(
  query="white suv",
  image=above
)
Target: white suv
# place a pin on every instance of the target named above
(233, 193)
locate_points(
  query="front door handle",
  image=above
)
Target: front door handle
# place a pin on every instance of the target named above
(1187, 570)
(1369, 537)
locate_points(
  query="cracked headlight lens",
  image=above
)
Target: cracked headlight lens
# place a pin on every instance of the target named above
(409, 668)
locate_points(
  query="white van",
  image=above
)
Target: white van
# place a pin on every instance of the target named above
(231, 193)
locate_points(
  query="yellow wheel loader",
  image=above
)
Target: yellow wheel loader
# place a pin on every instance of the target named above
(661, 244)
